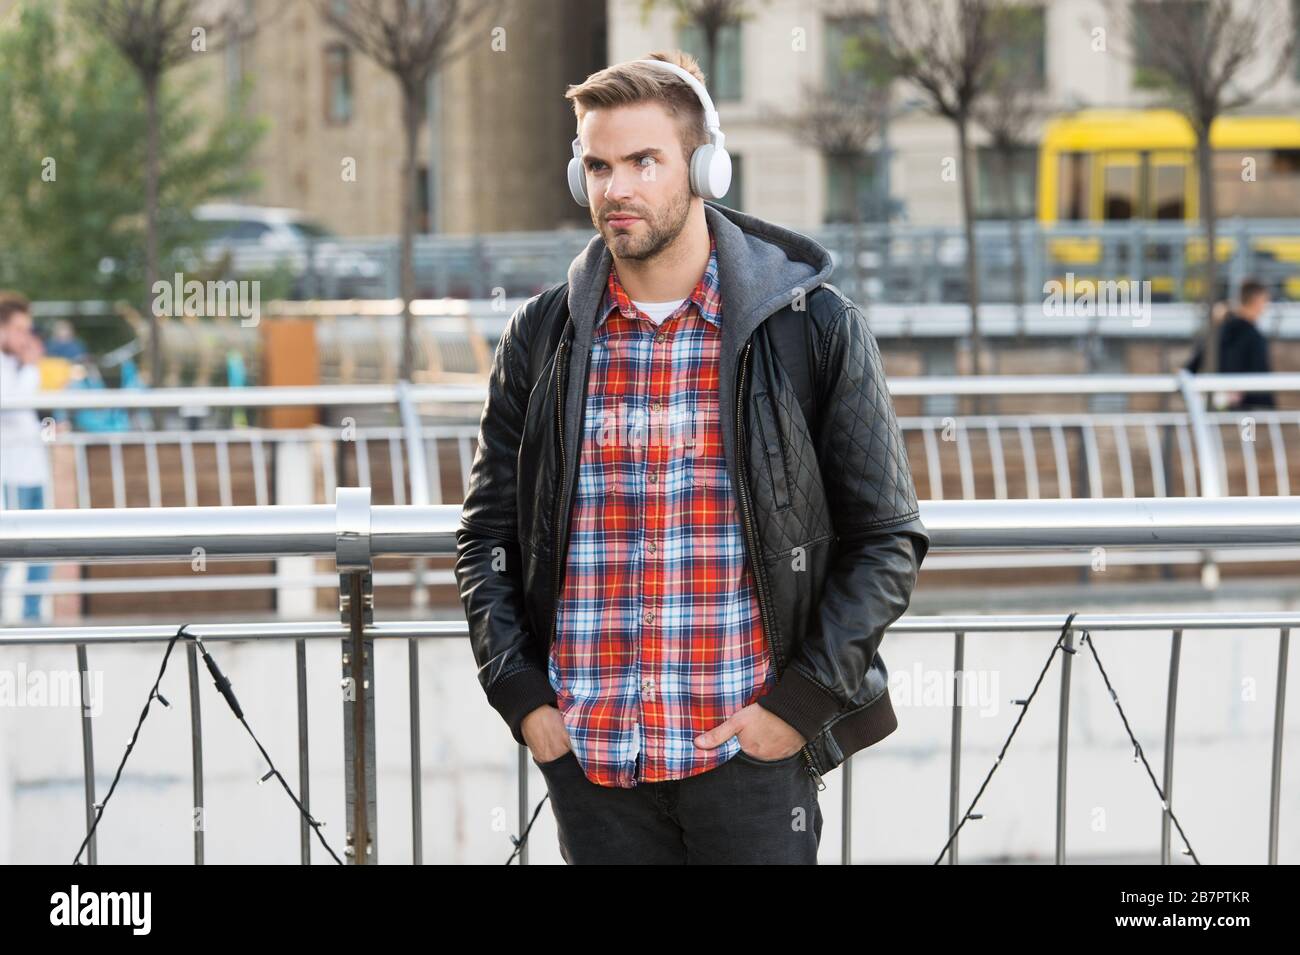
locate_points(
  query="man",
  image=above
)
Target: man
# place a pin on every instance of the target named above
(1242, 347)
(24, 461)
(676, 565)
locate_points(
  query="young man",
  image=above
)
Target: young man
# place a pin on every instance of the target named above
(676, 562)
(1242, 347)
(24, 459)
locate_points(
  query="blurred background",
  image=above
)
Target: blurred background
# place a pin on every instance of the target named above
(203, 198)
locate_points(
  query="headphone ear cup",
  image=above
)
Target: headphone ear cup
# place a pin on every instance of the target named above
(710, 172)
(578, 182)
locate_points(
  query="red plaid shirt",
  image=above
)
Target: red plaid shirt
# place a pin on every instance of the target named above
(658, 633)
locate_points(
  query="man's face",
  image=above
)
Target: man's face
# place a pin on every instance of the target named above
(632, 158)
(14, 332)
(1255, 306)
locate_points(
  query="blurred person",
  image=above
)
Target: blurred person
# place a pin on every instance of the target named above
(64, 342)
(1243, 349)
(681, 682)
(24, 461)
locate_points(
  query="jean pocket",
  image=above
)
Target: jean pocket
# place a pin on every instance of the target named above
(767, 762)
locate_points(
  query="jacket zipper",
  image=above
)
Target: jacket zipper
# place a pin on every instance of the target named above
(769, 632)
(559, 489)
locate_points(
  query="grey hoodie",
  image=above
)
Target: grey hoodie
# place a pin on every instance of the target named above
(762, 267)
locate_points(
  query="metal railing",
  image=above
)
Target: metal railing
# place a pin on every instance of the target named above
(1087, 454)
(355, 533)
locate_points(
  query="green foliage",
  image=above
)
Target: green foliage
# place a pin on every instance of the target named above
(73, 129)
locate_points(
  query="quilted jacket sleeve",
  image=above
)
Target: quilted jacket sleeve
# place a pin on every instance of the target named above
(881, 540)
(489, 565)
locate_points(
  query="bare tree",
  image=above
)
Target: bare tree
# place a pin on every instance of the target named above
(947, 50)
(1197, 53)
(154, 36)
(1007, 115)
(843, 125)
(413, 40)
(710, 17)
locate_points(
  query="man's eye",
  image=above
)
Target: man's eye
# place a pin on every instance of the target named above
(643, 158)
(593, 164)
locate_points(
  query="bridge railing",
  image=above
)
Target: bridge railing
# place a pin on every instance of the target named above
(355, 532)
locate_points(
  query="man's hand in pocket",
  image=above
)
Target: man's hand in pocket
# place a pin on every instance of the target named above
(545, 733)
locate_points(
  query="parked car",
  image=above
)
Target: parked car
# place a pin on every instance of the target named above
(262, 238)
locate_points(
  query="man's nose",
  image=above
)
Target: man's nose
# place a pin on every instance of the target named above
(622, 183)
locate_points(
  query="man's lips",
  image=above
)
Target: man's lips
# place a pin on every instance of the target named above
(622, 220)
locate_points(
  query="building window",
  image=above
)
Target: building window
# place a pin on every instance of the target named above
(847, 64)
(338, 84)
(736, 192)
(840, 176)
(1026, 55)
(1005, 185)
(724, 81)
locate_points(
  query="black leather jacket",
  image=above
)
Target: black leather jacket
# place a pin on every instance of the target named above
(829, 515)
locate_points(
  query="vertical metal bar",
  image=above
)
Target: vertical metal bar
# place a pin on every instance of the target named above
(1279, 458)
(258, 452)
(1249, 460)
(954, 759)
(304, 775)
(523, 801)
(1062, 737)
(846, 812)
(223, 471)
(399, 475)
(999, 466)
(932, 463)
(363, 461)
(1062, 460)
(1125, 455)
(1157, 460)
(87, 753)
(119, 472)
(1187, 457)
(1030, 455)
(83, 475)
(1279, 713)
(151, 469)
(417, 781)
(967, 470)
(1171, 708)
(187, 470)
(1092, 456)
(1208, 466)
(196, 750)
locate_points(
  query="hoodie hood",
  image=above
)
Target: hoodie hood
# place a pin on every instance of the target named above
(762, 267)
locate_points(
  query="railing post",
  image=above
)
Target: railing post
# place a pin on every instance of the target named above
(1062, 738)
(1171, 706)
(1279, 714)
(1208, 463)
(196, 750)
(954, 763)
(87, 753)
(356, 607)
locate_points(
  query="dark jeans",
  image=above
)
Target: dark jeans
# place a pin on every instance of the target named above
(747, 810)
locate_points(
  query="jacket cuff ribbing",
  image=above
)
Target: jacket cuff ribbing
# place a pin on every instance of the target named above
(801, 702)
(518, 694)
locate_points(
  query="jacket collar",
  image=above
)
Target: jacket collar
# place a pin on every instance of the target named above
(762, 268)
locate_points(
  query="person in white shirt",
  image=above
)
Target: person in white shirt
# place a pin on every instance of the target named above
(24, 458)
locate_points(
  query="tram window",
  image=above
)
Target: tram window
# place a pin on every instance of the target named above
(1168, 192)
(1074, 191)
(1119, 198)
(1257, 183)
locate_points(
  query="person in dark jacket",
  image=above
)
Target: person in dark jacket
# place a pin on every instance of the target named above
(1243, 349)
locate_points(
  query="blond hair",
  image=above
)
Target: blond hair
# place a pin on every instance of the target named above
(627, 83)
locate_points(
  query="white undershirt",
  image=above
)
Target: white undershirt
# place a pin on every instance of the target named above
(658, 311)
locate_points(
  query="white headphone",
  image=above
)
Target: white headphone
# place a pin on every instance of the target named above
(710, 166)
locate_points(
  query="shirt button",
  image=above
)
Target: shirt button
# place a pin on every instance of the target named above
(661, 337)
(649, 616)
(652, 477)
(651, 547)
